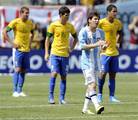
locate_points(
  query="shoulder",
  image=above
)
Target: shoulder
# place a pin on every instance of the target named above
(55, 23)
(83, 30)
(118, 22)
(70, 24)
(99, 30)
(102, 20)
(16, 20)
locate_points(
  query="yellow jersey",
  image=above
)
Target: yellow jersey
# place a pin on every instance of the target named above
(110, 30)
(22, 32)
(60, 44)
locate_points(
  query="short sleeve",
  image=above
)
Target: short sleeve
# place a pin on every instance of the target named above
(51, 28)
(82, 38)
(12, 24)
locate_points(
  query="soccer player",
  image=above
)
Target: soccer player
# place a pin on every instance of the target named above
(60, 50)
(91, 39)
(22, 28)
(109, 57)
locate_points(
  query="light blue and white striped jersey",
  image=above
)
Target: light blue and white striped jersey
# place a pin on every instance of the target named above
(90, 59)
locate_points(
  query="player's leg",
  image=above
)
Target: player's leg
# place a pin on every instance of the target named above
(104, 60)
(90, 81)
(54, 71)
(112, 75)
(64, 66)
(17, 70)
(25, 65)
(87, 100)
(93, 96)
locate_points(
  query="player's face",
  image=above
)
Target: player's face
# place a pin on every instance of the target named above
(113, 13)
(65, 17)
(93, 22)
(25, 15)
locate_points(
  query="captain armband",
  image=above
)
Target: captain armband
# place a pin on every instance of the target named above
(8, 29)
(49, 34)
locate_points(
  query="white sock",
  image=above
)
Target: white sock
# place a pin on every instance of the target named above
(86, 102)
(94, 98)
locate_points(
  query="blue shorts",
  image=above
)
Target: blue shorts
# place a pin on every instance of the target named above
(109, 63)
(21, 59)
(59, 64)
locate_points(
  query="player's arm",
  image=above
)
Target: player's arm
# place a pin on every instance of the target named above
(119, 37)
(47, 43)
(85, 45)
(6, 37)
(93, 45)
(74, 41)
(31, 37)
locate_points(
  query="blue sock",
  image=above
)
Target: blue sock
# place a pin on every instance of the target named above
(51, 87)
(62, 89)
(100, 85)
(15, 81)
(111, 85)
(21, 81)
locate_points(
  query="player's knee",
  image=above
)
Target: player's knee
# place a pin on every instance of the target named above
(54, 74)
(18, 69)
(102, 75)
(92, 86)
(112, 75)
(63, 77)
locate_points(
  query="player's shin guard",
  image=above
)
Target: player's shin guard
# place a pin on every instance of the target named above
(111, 85)
(62, 89)
(86, 102)
(15, 81)
(51, 87)
(93, 97)
(100, 85)
(21, 82)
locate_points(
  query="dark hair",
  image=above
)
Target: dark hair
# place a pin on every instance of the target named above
(92, 14)
(64, 10)
(23, 8)
(110, 7)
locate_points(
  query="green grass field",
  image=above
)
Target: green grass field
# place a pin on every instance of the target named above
(36, 107)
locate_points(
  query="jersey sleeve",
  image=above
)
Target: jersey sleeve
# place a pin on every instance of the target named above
(82, 38)
(12, 24)
(51, 28)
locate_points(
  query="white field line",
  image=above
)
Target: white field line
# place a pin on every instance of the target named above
(70, 118)
(58, 105)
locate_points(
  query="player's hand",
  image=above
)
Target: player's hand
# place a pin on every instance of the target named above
(100, 43)
(70, 50)
(46, 57)
(15, 45)
(105, 45)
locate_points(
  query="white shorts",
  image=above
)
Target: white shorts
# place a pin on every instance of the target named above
(90, 76)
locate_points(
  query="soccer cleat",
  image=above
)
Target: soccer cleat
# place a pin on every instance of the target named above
(87, 112)
(100, 98)
(51, 101)
(62, 102)
(113, 99)
(22, 94)
(15, 94)
(99, 109)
